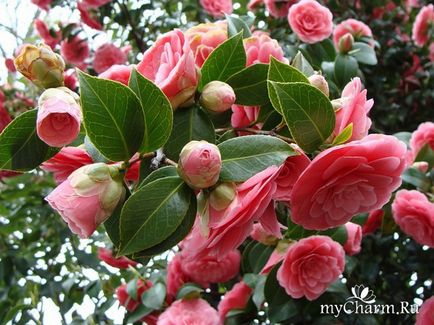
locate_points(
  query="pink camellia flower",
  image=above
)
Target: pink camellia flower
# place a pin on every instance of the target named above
(311, 21)
(204, 38)
(354, 109)
(354, 238)
(310, 266)
(422, 24)
(259, 48)
(276, 257)
(217, 8)
(75, 51)
(191, 311)
(200, 164)
(355, 27)
(46, 35)
(118, 72)
(65, 162)
(236, 298)
(261, 235)
(9, 63)
(374, 221)
(108, 55)
(244, 116)
(126, 300)
(169, 63)
(70, 79)
(88, 197)
(422, 136)
(414, 214)
(43, 4)
(426, 313)
(176, 277)
(346, 180)
(89, 16)
(59, 117)
(5, 118)
(210, 268)
(106, 255)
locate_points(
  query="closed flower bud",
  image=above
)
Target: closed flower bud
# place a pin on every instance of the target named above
(41, 65)
(217, 97)
(346, 43)
(88, 197)
(222, 196)
(199, 164)
(422, 166)
(59, 117)
(319, 82)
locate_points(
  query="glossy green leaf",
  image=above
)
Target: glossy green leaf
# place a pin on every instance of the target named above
(300, 63)
(344, 136)
(346, 68)
(113, 117)
(20, 147)
(282, 72)
(237, 25)
(189, 290)
(93, 152)
(154, 297)
(246, 156)
(189, 124)
(152, 214)
(159, 173)
(363, 53)
(321, 51)
(338, 234)
(226, 60)
(307, 112)
(250, 85)
(157, 111)
(258, 256)
(416, 178)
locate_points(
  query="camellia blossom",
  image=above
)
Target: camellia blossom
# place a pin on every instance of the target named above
(236, 298)
(70, 79)
(191, 311)
(422, 136)
(126, 300)
(426, 313)
(422, 24)
(88, 197)
(169, 63)
(311, 21)
(355, 27)
(217, 8)
(346, 180)
(43, 4)
(75, 51)
(244, 116)
(204, 38)
(176, 277)
(414, 214)
(46, 35)
(108, 55)
(89, 16)
(310, 266)
(118, 72)
(354, 109)
(106, 255)
(260, 47)
(354, 238)
(374, 221)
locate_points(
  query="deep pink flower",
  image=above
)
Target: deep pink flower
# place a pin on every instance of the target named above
(169, 63)
(311, 21)
(217, 8)
(347, 180)
(310, 266)
(5, 118)
(108, 55)
(414, 214)
(422, 24)
(422, 136)
(354, 238)
(89, 16)
(65, 162)
(43, 4)
(106, 255)
(176, 277)
(75, 51)
(47, 35)
(426, 313)
(117, 72)
(191, 311)
(355, 27)
(244, 116)
(355, 109)
(373, 222)
(236, 298)
(259, 48)
(9, 63)
(126, 300)
(70, 79)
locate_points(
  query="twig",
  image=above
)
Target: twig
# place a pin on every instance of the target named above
(137, 39)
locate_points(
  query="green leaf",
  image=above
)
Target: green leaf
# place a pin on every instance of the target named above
(321, 51)
(189, 124)
(258, 256)
(250, 85)
(157, 111)
(153, 298)
(246, 156)
(338, 234)
(132, 289)
(159, 173)
(226, 60)
(12, 313)
(307, 111)
(153, 213)
(189, 290)
(426, 154)
(111, 225)
(363, 53)
(258, 294)
(416, 178)
(344, 136)
(237, 25)
(20, 147)
(113, 117)
(93, 152)
(300, 63)
(404, 137)
(346, 68)
(282, 72)
(138, 314)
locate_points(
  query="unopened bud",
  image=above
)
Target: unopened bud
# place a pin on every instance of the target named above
(217, 97)
(222, 196)
(346, 43)
(41, 65)
(422, 166)
(337, 104)
(319, 82)
(199, 164)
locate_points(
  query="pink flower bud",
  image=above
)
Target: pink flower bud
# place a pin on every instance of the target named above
(422, 166)
(346, 43)
(222, 196)
(217, 96)
(199, 164)
(59, 117)
(88, 197)
(354, 240)
(319, 82)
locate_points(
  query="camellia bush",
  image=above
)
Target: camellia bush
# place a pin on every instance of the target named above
(220, 162)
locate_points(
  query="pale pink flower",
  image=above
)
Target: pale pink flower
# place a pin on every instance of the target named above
(108, 55)
(355, 27)
(260, 47)
(422, 24)
(191, 311)
(244, 116)
(217, 8)
(422, 136)
(116, 72)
